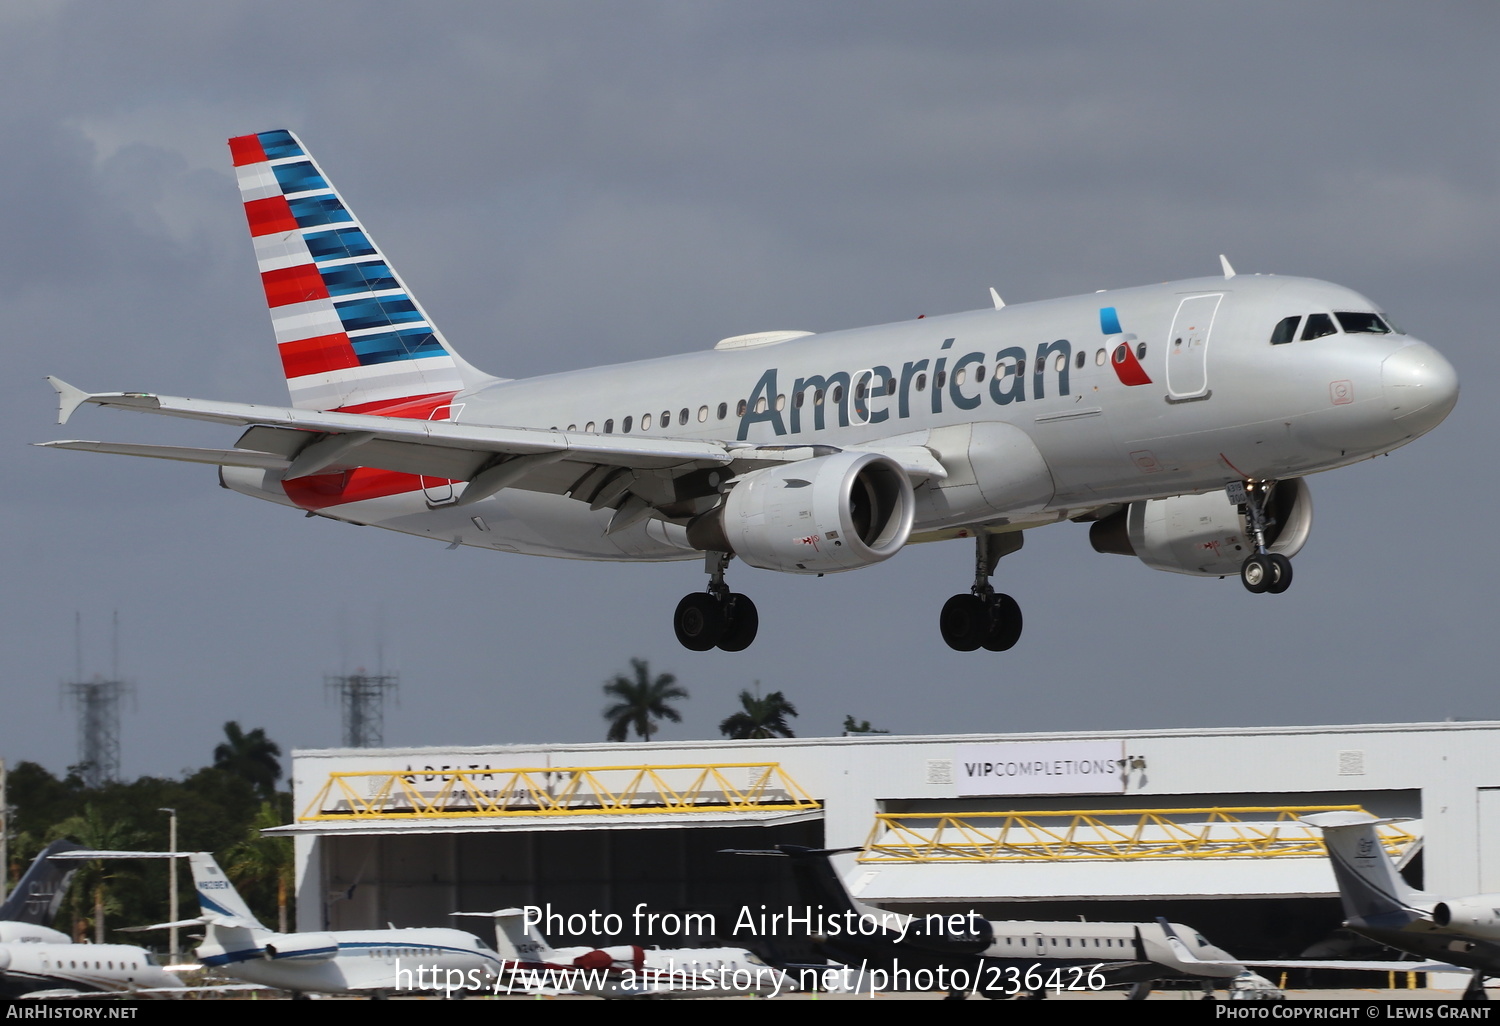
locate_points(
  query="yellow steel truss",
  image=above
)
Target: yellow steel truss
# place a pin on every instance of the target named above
(1113, 834)
(557, 791)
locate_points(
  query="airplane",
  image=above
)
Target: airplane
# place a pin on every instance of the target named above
(996, 955)
(38, 961)
(1178, 420)
(34, 902)
(1382, 906)
(626, 970)
(374, 962)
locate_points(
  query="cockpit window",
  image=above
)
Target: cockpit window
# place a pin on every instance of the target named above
(1362, 323)
(1318, 325)
(1286, 331)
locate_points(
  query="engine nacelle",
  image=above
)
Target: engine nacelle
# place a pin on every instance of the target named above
(1478, 915)
(25, 933)
(816, 516)
(303, 947)
(1205, 535)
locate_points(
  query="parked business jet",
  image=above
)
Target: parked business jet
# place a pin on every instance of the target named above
(1179, 419)
(373, 962)
(626, 970)
(999, 953)
(1379, 904)
(36, 960)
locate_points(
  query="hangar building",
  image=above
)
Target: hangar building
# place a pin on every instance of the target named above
(1196, 825)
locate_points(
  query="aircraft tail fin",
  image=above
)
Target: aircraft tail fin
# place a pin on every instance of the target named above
(217, 897)
(1368, 880)
(518, 941)
(39, 892)
(352, 337)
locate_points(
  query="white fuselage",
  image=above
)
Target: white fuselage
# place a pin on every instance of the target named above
(1202, 399)
(28, 967)
(354, 960)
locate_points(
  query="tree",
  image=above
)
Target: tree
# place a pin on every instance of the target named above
(760, 717)
(259, 862)
(641, 702)
(90, 890)
(252, 757)
(860, 727)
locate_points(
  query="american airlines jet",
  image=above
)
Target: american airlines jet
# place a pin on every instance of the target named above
(1179, 419)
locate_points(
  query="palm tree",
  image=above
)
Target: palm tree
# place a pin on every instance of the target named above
(641, 702)
(258, 860)
(760, 717)
(253, 757)
(90, 886)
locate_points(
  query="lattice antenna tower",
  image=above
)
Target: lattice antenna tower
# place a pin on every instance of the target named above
(97, 703)
(362, 704)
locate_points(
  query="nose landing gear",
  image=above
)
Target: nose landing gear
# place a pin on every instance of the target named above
(1263, 571)
(983, 618)
(717, 618)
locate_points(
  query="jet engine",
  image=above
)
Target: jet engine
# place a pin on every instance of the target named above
(1478, 915)
(1205, 535)
(815, 516)
(303, 947)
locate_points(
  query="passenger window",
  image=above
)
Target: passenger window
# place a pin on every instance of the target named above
(781, 402)
(838, 393)
(978, 372)
(760, 405)
(703, 414)
(1318, 325)
(739, 409)
(1362, 323)
(1061, 363)
(589, 427)
(682, 418)
(798, 398)
(1099, 358)
(666, 418)
(572, 427)
(958, 376)
(1286, 330)
(1079, 361)
(921, 382)
(1140, 351)
(645, 422)
(723, 410)
(625, 425)
(818, 397)
(609, 426)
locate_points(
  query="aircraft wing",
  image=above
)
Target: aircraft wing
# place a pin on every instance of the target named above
(673, 475)
(1387, 965)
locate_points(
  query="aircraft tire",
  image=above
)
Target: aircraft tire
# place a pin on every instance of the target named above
(1281, 575)
(1005, 625)
(964, 622)
(1256, 573)
(699, 621)
(743, 623)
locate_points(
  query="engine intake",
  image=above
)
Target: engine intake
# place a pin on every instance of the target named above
(816, 516)
(1204, 535)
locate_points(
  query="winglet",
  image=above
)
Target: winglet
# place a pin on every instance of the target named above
(995, 298)
(68, 398)
(1175, 943)
(1228, 271)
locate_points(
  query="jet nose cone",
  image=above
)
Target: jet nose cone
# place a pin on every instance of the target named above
(1420, 386)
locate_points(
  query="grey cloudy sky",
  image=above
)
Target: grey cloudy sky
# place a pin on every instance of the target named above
(570, 184)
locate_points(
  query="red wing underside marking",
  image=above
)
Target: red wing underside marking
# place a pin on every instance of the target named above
(321, 491)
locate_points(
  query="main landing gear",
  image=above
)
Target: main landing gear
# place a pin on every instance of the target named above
(1263, 571)
(717, 618)
(982, 618)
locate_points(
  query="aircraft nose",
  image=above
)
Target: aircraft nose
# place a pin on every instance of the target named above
(1420, 386)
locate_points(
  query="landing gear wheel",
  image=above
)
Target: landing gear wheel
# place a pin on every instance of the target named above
(964, 621)
(1258, 574)
(1005, 624)
(743, 622)
(699, 621)
(1281, 575)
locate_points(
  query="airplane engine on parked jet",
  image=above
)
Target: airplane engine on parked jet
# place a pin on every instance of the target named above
(816, 516)
(303, 947)
(1205, 535)
(1478, 915)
